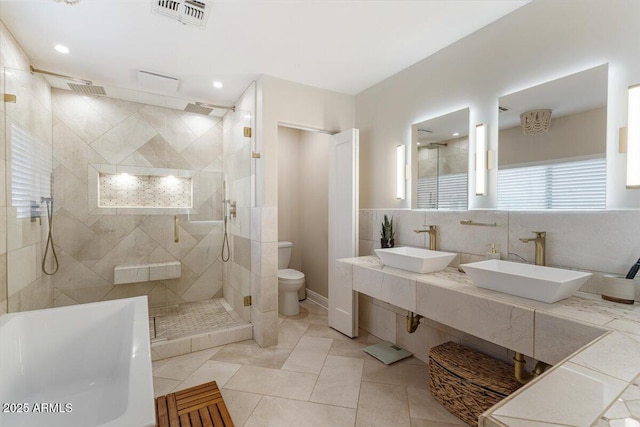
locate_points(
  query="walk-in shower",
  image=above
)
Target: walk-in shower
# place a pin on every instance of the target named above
(133, 199)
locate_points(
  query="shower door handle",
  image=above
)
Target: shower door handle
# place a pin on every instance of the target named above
(176, 229)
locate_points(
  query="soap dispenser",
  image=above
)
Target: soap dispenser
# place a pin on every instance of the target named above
(493, 253)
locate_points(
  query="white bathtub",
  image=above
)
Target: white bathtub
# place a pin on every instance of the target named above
(88, 365)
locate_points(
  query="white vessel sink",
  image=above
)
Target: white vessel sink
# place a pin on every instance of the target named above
(415, 259)
(535, 282)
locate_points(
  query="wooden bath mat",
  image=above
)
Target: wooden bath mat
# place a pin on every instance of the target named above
(199, 406)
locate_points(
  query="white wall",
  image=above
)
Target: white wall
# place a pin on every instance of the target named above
(289, 192)
(314, 210)
(280, 101)
(581, 134)
(286, 102)
(541, 41)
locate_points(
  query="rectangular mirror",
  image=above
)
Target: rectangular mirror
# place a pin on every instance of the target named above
(441, 149)
(552, 144)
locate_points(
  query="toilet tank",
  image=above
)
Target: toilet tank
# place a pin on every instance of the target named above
(284, 254)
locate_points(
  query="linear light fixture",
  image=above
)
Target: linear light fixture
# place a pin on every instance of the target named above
(633, 138)
(481, 160)
(401, 176)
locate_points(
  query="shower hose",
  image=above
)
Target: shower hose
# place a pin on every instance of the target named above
(50, 243)
(225, 243)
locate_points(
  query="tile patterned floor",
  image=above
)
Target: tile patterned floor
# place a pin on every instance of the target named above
(315, 376)
(191, 318)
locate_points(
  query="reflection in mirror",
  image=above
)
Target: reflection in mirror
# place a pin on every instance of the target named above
(442, 148)
(558, 163)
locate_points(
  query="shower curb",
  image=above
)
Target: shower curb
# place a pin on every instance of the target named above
(185, 345)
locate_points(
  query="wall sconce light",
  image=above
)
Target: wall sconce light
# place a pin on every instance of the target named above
(481, 160)
(633, 138)
(401, 174)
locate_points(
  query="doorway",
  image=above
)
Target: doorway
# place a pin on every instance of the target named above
(303, 191)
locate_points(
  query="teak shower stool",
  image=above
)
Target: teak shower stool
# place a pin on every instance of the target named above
(199, 406)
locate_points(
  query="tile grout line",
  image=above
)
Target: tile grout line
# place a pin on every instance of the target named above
(324, 362)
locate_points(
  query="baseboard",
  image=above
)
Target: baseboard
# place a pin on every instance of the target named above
(317, 298)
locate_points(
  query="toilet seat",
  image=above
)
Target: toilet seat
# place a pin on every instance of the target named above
(289, 274)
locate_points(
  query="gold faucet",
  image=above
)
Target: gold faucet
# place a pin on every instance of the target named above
(432, 235)
(540, 240)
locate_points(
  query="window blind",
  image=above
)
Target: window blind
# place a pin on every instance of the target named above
(444, 192)
(575, 185)
(31, 166)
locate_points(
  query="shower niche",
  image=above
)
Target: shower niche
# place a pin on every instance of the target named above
(135, 190)
(144, 191)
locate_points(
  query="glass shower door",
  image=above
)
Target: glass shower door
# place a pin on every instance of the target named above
(27, 186)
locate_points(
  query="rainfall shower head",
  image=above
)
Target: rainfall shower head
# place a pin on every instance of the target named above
(87, 89)
(433, 145)
(83, 87)
(204, 108)
(198, 109)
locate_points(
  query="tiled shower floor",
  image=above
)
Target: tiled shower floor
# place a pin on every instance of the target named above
(190, 318)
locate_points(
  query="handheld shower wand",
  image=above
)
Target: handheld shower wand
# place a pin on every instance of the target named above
(49, 203)
(225, 238)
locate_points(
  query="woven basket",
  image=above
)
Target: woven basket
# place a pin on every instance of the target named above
(467, 382)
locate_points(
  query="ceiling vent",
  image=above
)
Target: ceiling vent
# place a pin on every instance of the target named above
(157, 82)
(189, 12)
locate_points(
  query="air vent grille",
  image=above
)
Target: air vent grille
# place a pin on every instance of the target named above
(189, 12)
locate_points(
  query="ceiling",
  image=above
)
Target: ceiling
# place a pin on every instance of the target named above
(345, 46)
(442, 128)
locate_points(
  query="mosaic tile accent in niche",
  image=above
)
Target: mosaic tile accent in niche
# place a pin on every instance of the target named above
(144, 191)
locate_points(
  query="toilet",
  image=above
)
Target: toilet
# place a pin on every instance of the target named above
(289, 282)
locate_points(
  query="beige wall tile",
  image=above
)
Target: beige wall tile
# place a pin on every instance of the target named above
(77, 114)
(114, 110)
(123, 139)
(131, 250)
(168, 124)
(204, 253)
(207, 285)
(265, 330)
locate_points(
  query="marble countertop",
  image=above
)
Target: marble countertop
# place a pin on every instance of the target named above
(598, 385)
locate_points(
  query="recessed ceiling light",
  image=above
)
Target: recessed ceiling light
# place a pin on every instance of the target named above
(456, 134)
(62, 49)
(217, 84)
